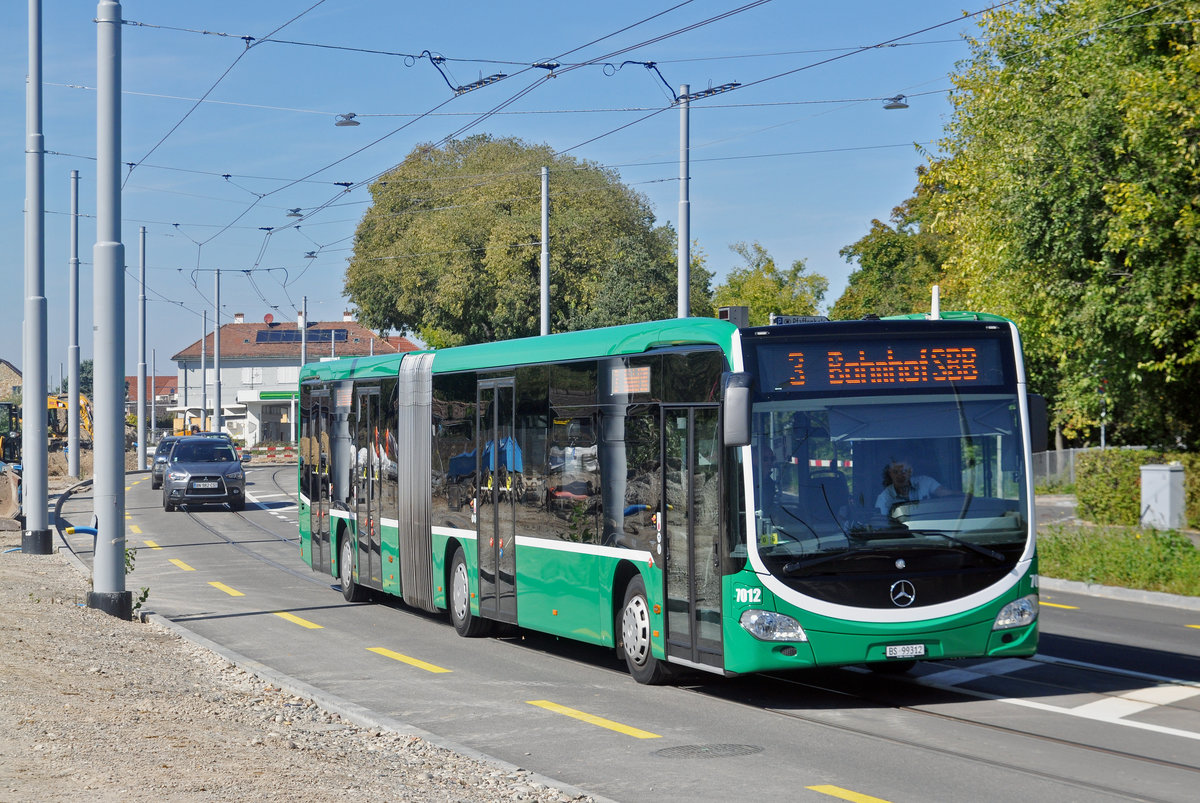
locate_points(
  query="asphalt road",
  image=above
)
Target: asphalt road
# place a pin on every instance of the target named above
(1109, 709)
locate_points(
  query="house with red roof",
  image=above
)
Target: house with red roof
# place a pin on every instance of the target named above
(260, 372)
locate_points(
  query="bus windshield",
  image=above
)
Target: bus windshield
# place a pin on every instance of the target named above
(923, 482)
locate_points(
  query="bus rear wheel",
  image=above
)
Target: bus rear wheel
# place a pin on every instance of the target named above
(635, 636)
(350, 590)
(465, 623)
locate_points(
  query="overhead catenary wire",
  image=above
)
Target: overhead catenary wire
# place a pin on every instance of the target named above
(476, 120)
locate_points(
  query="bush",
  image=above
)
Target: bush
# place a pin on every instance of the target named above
(1120, 556)
(1108, 484)
(1191, 484)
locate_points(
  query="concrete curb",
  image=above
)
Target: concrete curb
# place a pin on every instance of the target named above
(1122, 594)
(352, 712)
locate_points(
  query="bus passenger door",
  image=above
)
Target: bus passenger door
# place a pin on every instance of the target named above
(366, 498)
(319, 415)
(692, 496)
(495, 504)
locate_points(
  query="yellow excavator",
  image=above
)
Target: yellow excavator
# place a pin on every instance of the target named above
(57, 425)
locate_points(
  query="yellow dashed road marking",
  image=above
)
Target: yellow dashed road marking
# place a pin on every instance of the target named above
(182, 565)
(136, 530)
(628, 730)
(297, 620)
(419, 664)
(846, 794)
(1055, 605)
(152, 545)
(233, 592)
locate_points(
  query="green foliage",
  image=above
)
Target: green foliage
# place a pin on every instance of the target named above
(450, 247)
(1118, 556)
(1069, 193)
(130, 560)
(85, 379)
(764, 288)
(897, 264)
(1191, 485)
(1108, 484)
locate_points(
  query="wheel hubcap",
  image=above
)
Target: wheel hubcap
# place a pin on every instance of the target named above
(635, 630)
(459, 592)
(345, 567)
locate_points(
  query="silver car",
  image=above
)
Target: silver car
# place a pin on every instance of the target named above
(160, 460)
(204, 471)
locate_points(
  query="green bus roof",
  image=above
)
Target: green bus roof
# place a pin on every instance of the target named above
(633, 338)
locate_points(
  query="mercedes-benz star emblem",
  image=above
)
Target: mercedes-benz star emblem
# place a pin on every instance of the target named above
(903, 593)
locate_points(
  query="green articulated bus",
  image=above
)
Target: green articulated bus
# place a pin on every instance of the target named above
(690, 493)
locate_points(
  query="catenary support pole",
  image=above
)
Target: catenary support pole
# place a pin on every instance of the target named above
(73, 335)
(685, 210)
(217, 411)
(204, 372)
(108, 313)
(141, 403)
(35, 538)
(545, 283)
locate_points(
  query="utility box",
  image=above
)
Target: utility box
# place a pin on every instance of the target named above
(1162, 497)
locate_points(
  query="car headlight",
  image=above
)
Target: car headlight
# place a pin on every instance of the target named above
(162, 459)
(234, 475)
(1017, 613)
(177, 476)
(772, 626)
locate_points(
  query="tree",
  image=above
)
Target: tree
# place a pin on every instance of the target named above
(1070, 187)
(450, 247)
(897, 264)
(765, 289)
(85, 379)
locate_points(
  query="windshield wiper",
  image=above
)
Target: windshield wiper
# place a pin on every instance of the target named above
(982, 550)
(798, 565)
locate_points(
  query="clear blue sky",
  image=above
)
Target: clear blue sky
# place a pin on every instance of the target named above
(800, 163)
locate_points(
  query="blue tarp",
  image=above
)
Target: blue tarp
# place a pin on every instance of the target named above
(510, 456)
(463, 464)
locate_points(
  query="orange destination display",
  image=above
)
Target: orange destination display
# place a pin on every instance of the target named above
(838, 365)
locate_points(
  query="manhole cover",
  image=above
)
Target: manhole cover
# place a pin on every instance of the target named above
(708, 751)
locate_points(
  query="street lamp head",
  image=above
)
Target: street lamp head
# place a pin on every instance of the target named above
(346, 119)
(294, 212)
(897, 102)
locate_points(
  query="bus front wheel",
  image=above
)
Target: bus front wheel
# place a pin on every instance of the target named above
(465, 623)
(635, 636)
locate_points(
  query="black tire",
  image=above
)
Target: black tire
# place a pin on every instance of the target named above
(167, 506)
(459, 600)
(237, 505)
(891, 667)
(155, 484)
(350, 590)
(634, 634)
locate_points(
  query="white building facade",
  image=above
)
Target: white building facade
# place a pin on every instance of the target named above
(260, 373)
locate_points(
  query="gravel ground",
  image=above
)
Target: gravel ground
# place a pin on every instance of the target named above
(94, 708)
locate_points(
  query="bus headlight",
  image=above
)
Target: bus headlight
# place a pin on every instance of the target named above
(1018, 613)
(771, 626)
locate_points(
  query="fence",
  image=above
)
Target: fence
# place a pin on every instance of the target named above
(284, 454)
(1058, 467)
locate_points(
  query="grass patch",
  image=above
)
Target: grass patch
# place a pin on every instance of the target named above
(1121, 556)
(1054, 487)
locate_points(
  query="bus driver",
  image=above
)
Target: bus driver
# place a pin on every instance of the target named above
(899, 485)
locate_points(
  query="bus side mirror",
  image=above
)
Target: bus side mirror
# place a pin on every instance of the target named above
(736, 400)
(1039, 423)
